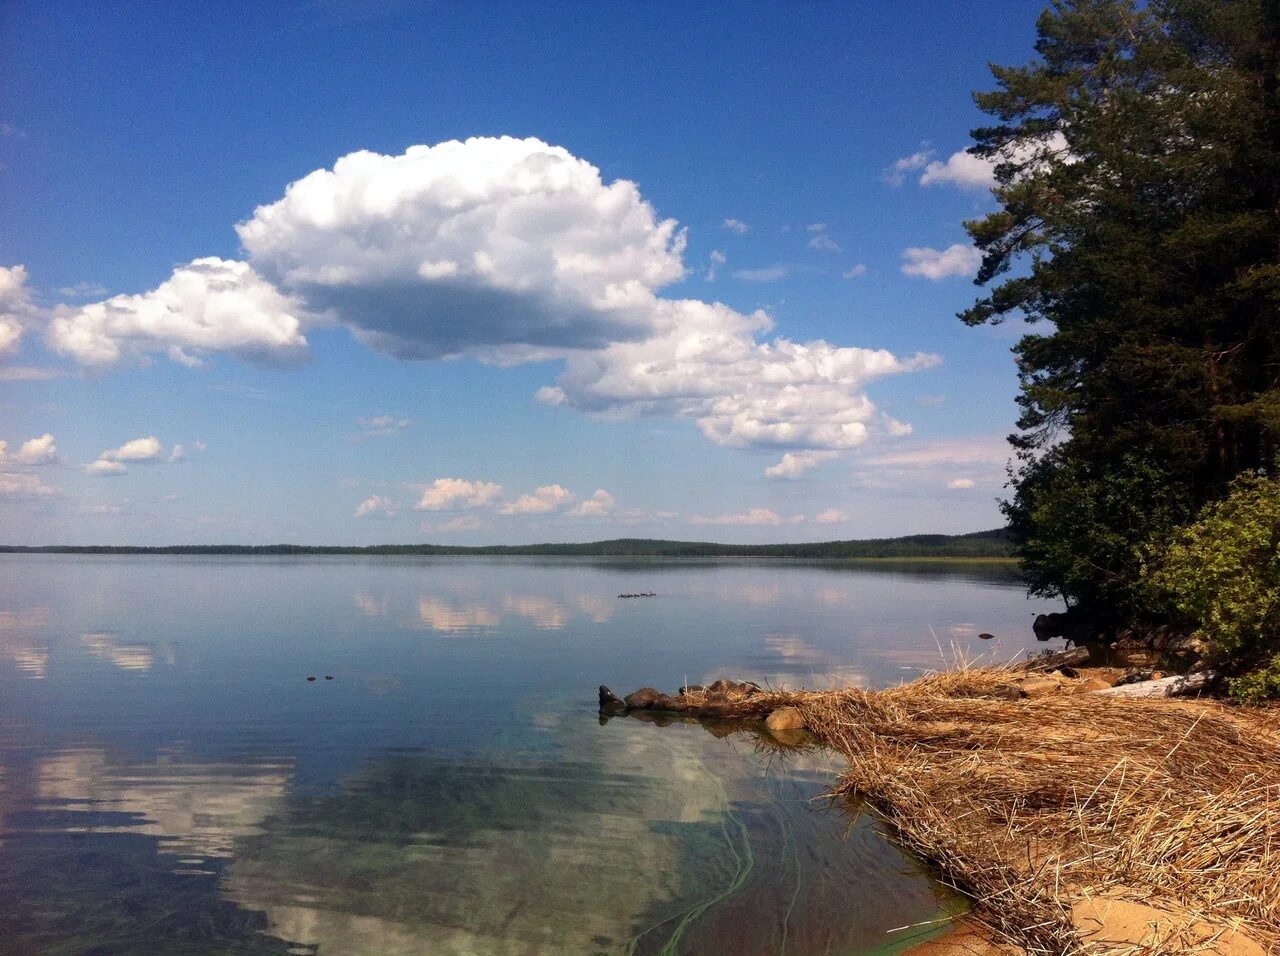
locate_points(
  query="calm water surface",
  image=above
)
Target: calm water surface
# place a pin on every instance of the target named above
(171, 783)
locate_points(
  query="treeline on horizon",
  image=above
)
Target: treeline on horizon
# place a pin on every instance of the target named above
(980, 544)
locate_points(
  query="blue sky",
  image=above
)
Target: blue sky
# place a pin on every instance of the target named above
(556, 272)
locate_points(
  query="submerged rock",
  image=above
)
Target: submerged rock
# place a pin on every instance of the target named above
(785, 718)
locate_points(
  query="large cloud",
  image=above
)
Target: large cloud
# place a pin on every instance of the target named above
(490, 245)
(507, 250)
(210, 305)
(704, 363)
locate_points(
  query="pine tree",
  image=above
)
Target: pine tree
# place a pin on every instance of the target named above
(1138, 169)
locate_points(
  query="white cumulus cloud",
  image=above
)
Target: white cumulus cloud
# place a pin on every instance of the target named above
(488, 246)
(960, 484)
(964, 170)
(936, 265)
(830, 516)
(138, 451)
(103, 467)
(16, 310)
(795, 463)
(450, 494)
(375, 506)
(598, 505)
(961, 169)
(35, 451)
(208, 305)
(506, 250)
(705, 363)
(735, 225)
(543, 500)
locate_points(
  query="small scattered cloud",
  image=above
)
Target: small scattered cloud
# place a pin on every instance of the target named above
(375, 506)
(934, 264)
(752, 516)
(453, 525)
(896, 173)
(895, 428)
(383, 424)
(717, 259)
(24, 484)
(962, 170)
(9, 131)
(376, 425)
(543, 501)
(179, 451)
(819, 239)
(597, 506)
(735, 225)
(452, 494)
(138, 451)
(830, 516)
(795, 463)
(35, 451)
(102, 467)
(766, 274)
(855, 271)
(960, 484)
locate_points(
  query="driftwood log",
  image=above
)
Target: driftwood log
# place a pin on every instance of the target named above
(1178, 686)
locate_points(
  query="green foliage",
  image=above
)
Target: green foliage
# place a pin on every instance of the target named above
(1084, 525)
(1258, 685)
(1138, 179)
(1222, 573)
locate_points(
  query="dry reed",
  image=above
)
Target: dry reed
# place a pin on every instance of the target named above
(1029, 806)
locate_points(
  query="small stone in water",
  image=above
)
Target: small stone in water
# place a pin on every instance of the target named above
(310, 678)
(328, 677)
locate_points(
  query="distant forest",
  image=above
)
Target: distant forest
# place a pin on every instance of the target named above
(980, 544)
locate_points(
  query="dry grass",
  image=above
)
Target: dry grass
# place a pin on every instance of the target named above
(1029, 806)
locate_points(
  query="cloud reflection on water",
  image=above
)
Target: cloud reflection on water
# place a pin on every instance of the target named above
(128, 657)
(197, 809)
(19, 643)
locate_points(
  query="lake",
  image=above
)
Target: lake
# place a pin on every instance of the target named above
(170, 781)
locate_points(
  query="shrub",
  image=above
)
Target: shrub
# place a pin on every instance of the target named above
(1222, 574)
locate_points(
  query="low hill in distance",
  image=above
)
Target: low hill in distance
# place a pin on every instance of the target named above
(980, 544)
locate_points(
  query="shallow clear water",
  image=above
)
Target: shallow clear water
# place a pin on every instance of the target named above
(171, 783)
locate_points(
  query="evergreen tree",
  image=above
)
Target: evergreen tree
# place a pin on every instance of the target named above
(1138, 170)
